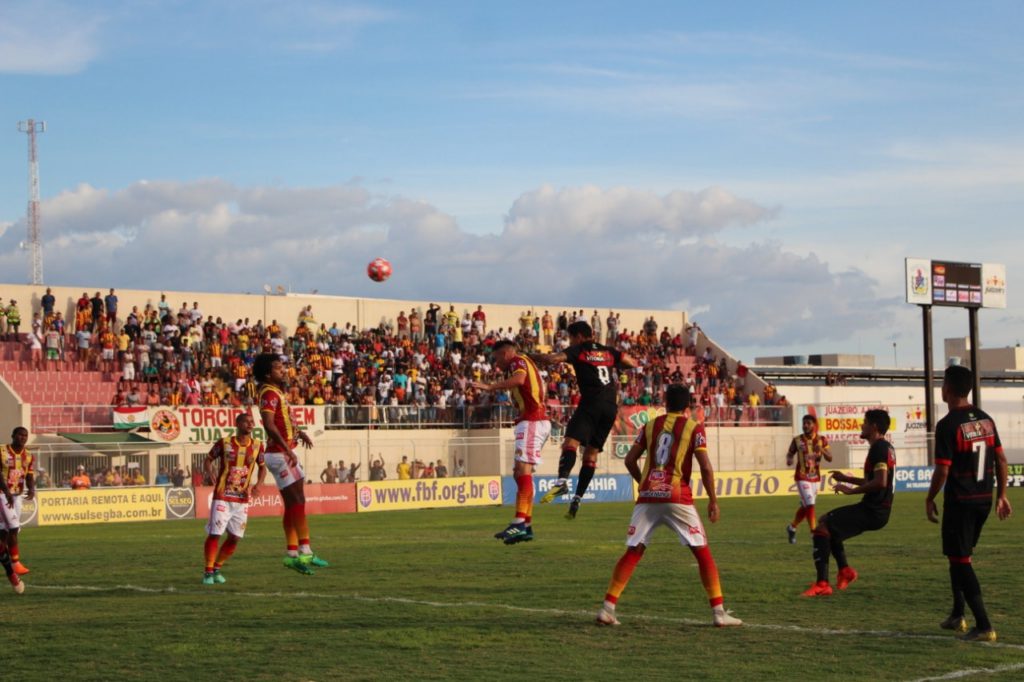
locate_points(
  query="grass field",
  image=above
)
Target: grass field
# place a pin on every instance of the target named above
(431, 595)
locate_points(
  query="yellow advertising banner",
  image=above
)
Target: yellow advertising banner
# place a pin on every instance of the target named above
(425, 493)
(765, 483)
(100, 505)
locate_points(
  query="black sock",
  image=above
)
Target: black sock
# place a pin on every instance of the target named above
(566, 462)
(821, 556)
(586, 474)
(958, 592)
(972, 595)
(839, 552)
(5, 561)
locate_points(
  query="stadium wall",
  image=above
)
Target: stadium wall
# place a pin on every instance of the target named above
(13, 412)
(363, 312)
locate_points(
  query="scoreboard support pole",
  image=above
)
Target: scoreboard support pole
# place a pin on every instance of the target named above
(972, 317)
(929, 370)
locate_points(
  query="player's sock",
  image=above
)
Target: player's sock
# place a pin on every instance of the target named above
(5, 560)
(972, 594)
(821, 552)
(586, 475)
(290, 534)
(566, 461)
(12, 548)
(226, 550)
(620, 576)
(801, 514)
(839, 552)
(301, 528)
(210, 551)
(812, 520)
(958, 592)
(708, 574)
(524, 497)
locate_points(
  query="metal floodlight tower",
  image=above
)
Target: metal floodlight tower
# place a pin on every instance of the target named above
(31, 127)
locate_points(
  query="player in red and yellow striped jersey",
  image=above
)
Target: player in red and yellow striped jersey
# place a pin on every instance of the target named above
(808, 449)
(672, 442)
(236, 459)
(282, 438)
(17, 483)
(532, 429)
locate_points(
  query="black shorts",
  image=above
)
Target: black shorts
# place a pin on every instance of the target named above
(961, 527)
(591, 423)
(852, 520)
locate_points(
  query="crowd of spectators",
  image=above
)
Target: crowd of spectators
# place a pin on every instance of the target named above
(419, 363)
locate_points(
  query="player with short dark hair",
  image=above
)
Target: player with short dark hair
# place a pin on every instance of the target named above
(236, 459)
(968, 460)
(808, 449)
(282, 437)
(871, 513)
(18, 470)
(17, 477)
(531, 430)
(595, 415)
(672, 442)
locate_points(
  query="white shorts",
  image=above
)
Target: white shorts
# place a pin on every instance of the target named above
(530, 439)
(230, 516)
(11, 518)
(107, 354)
(808, 492)
(682, 518)
(284, 474)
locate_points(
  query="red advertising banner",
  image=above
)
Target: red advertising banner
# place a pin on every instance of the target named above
(321, 498)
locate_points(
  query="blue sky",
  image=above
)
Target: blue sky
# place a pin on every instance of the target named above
(766, 166)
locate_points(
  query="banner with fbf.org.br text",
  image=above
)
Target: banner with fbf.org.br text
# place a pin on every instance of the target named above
(427, 493)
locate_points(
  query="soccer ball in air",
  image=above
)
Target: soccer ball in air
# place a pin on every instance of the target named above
(378, 270)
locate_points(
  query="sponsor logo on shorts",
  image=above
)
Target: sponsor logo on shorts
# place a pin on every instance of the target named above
(28, 511)
(365, 496)
(180, 503)
(695, 530)
(494, 490)
(631, 531)
(221, 507)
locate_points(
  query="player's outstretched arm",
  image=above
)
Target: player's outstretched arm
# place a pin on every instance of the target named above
(879, 480)
(548, 358)
(628, 361)
(707, 478)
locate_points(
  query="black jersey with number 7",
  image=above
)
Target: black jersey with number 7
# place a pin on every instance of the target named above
(967, 442)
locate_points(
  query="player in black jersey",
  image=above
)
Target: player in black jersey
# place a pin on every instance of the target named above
(595, 415)
(871, 513)
(968, 459)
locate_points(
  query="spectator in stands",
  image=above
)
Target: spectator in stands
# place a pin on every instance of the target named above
(110, 304)
(34, 342)
(178, 477)
(13, 316)
(343, 471)
(377, 470)
(329, 474)
(96, 307)
(460, 468)
(135, 477)
(80, 481)
(162, 477)
(440, 470)
(404, 469)
(43, 479)
(480, 320)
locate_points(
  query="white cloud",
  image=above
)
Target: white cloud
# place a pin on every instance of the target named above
(618, 247)
(47, 37)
